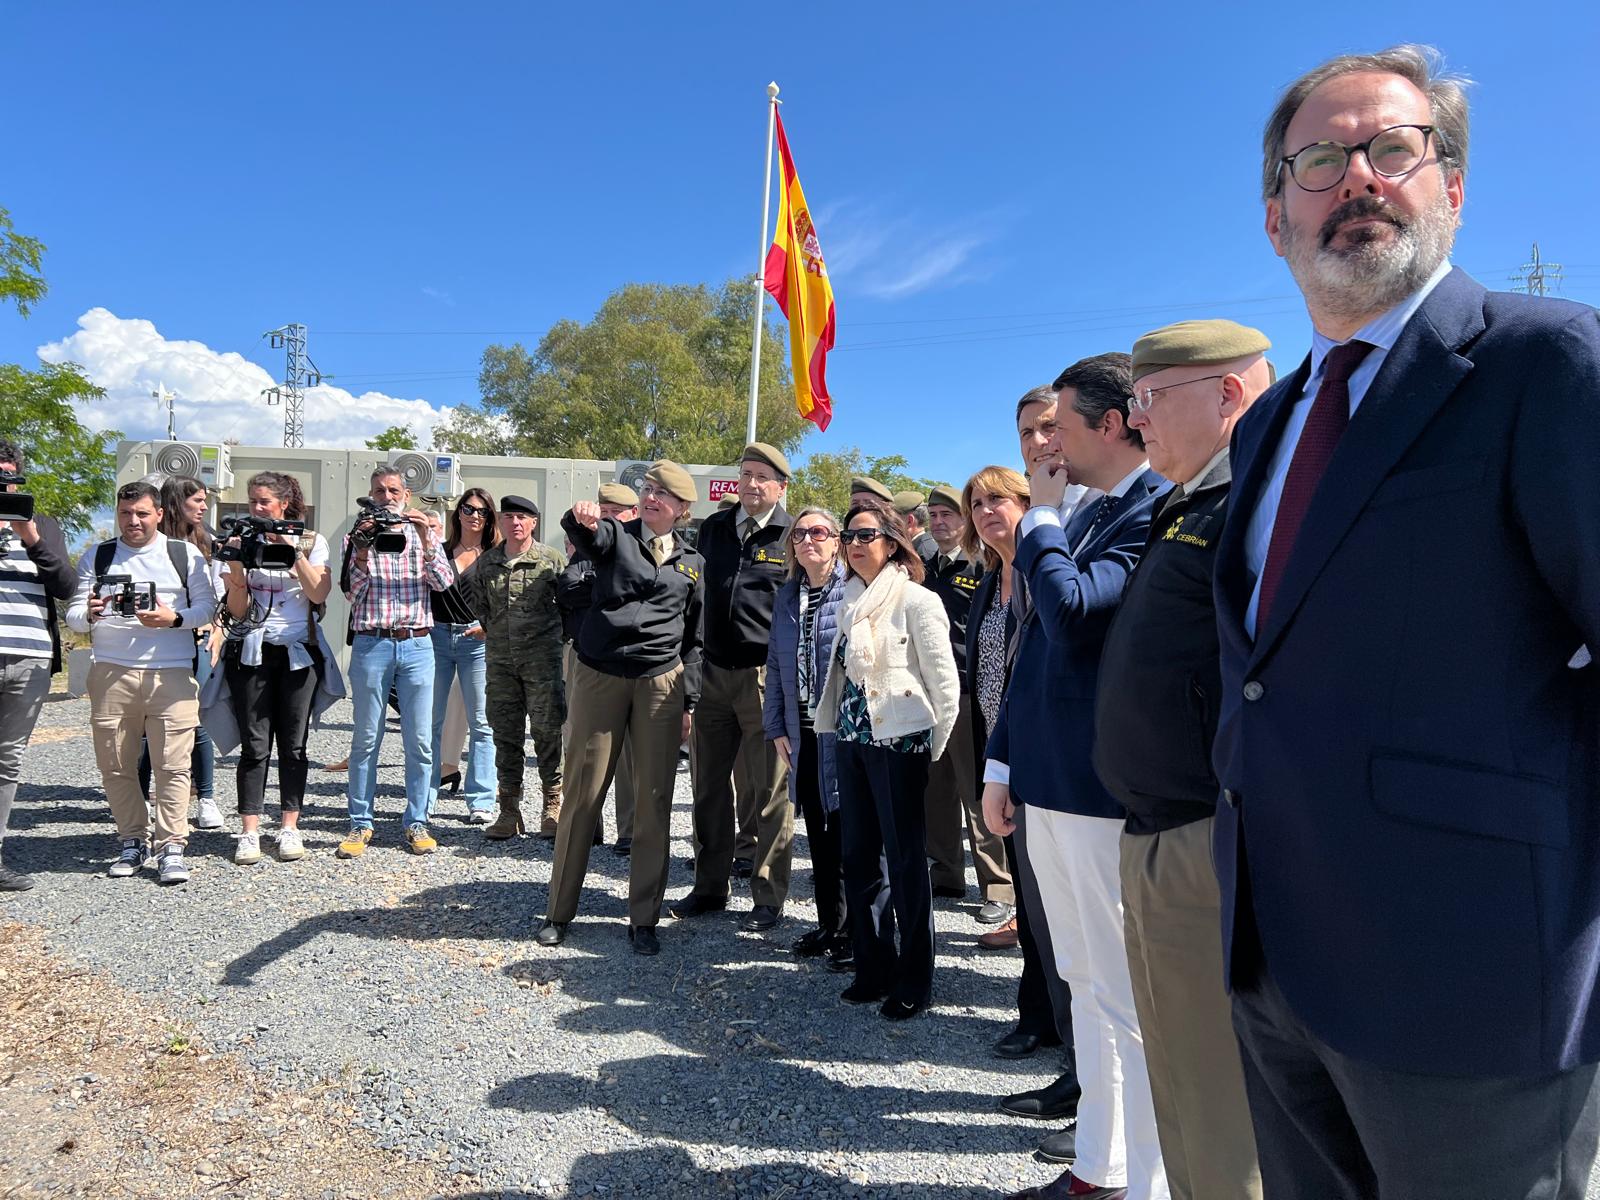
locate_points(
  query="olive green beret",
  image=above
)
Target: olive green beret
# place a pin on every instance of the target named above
(1194, 344)
(907, 502)
(728, 500)
(674, 480)
(618, 493)
(865, 483)
(771, 455)
(946, 495)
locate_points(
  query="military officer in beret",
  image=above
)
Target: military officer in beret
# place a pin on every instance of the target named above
(952, 796)
(638, 673)
(913, 509)
(523, 692)
(744, 552)
(1155, 720)
(865, 489)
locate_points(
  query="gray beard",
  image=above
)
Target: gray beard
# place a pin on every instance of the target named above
(1373, 276)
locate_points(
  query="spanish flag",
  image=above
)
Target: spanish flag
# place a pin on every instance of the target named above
(798, 281)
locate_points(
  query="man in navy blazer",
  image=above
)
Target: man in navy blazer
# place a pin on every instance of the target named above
(1040, 752)
(1408, 840)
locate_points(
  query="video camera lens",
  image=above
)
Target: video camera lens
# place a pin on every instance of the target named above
(14, 506)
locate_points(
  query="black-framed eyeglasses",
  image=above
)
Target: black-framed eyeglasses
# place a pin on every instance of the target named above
(865, 536)
(474, 510)
(1392, 152)
(817, 533)
(1143, 398)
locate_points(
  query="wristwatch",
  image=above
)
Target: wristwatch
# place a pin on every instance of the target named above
(177, 620)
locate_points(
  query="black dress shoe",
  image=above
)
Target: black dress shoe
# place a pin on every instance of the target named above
(743, 868)
(1017, 1044)
(694, 905)
(623, 847)
(1056, 1102)
(644, 939)
(948, 891)
(551, 933)
(811, 945)
(901, 1010)
(762, 917)
(863, 993)
(1061, 1146)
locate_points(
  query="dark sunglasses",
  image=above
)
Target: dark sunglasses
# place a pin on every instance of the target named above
(865, 536)
(474, 510)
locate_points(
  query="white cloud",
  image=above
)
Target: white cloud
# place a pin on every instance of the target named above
(439, 294)
(890, 257)
(218, 392)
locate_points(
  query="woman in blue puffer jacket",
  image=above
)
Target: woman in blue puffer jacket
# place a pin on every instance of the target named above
(804, 623)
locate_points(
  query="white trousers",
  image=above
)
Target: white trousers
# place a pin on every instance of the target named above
(1077, 862)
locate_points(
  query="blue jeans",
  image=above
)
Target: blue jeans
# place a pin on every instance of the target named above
(376, 664)
(455, 654)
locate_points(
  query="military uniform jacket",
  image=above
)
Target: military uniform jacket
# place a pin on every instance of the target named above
(516, 600)
(644, 619)
(954, 580)
(742, 580)
(1160, 677)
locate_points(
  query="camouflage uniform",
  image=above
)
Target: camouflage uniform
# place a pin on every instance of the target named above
(523, 689)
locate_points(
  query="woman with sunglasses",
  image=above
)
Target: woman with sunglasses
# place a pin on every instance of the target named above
(458, 650)
(891, 697)
(804, 622)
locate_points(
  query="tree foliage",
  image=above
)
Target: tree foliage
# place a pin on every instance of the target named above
(21, 282)
(396, 437)
(662, 371)
(71, 469)
(825, 478)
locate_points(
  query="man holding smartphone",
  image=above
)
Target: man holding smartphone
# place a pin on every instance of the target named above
(140, 598)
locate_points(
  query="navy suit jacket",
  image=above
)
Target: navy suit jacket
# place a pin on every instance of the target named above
(1410, 830)
(1048, 712)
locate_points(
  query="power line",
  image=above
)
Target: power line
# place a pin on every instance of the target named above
(1535, 277)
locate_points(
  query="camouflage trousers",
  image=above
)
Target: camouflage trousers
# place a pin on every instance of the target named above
(523, 697)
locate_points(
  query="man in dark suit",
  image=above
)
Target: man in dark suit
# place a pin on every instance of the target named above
(1407, 844)
(1039, 756)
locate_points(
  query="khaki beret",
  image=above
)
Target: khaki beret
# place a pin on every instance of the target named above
(1194, 344)
(673, 479)
(907, 502)
(728, 500)
(865, 483)
(946, 495)
(618, 493)
(771, 455)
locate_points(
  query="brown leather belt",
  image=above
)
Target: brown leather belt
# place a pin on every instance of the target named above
(402, 634)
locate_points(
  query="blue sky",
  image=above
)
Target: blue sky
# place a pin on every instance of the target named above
(999, 190)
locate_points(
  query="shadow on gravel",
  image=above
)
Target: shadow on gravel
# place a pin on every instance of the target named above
(38, 807)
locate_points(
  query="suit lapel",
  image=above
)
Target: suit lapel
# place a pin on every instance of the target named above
(1419, 376)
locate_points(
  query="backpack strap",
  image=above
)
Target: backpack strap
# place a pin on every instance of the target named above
(179, 556)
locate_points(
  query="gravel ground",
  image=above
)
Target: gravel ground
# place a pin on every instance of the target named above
(413, 987)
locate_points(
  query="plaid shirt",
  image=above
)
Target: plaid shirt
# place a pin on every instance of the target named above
(392, 590)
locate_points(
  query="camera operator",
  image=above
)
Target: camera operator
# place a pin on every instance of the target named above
(272, 659)
(393, 560)
(35, 571)
(141, 597)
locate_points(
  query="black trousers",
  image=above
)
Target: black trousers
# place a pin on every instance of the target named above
(1330, 1127)
(1035, 1011)
(271, 702)
(884, 831)
(822, 835)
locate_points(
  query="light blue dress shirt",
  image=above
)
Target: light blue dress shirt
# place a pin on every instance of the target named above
(1381, 332)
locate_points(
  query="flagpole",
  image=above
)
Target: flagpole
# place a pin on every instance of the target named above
(761, 267)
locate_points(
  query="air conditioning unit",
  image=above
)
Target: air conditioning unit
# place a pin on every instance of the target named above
(436, 476)
(211, 464)
(631, 472)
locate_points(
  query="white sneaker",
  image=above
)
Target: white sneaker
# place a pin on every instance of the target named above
(209, 816)
(248, 850)
(290, 847)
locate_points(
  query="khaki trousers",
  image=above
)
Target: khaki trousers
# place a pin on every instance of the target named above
(1171, 917)
(951, 801)
(605, 709)
(728, 719)
(163, 706)
(623, 779)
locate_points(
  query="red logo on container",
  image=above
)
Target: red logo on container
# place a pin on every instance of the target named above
(724, 487)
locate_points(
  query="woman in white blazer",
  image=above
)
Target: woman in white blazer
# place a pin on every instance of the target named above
(890, 698)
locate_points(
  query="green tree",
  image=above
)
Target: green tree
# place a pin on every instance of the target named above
(70, 468)
(660, 372)
(825, 478)
(21, 282)
(396, 437)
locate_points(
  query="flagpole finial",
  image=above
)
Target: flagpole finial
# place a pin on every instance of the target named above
(772, 91)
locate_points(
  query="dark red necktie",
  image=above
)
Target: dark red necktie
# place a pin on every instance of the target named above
(1325, 425)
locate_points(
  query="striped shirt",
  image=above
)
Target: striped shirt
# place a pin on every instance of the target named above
(394, 591)
(24, 606)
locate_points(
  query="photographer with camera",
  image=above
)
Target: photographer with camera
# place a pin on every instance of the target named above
(141, 597)
(275, 583)
(393, 562)
(35, 572)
